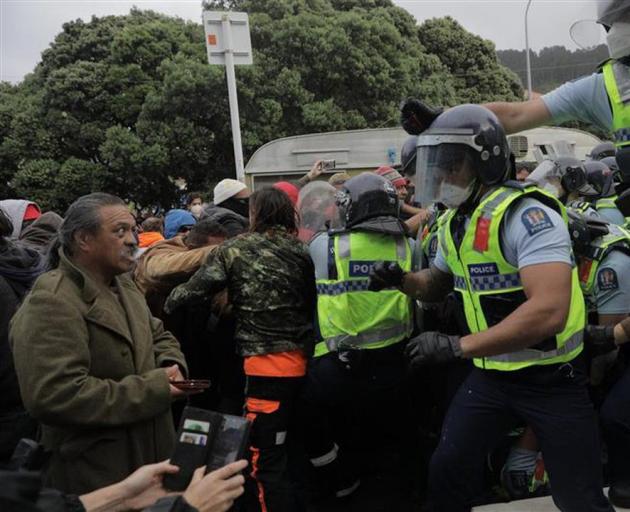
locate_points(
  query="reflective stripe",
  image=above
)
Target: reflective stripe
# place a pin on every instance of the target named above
(622, 135)
(496, 282)
(401, 248)
(441, 233)
(349, 341)
(459, 282)
(358, 285)
(344, 246)
(530, 354)
(493, 204)
(327, 458)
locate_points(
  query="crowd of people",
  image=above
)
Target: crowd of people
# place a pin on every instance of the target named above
(458, 322)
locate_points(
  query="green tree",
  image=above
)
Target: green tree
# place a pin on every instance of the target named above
(128, 104)
(479, 77)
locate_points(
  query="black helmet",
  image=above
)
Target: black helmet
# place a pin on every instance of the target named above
(611, 11)
(365, 196)
(583, 230)
(602, 151)
(600, 177)
(408, 154)
(480, 132)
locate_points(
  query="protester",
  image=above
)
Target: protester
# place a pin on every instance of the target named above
(271, 285)
(19, 267)
(194, 203)
(21, 491)
(171, 262)
(42, 232)
(178, 222)
(338, 179)
(233, 195)
(291, 190)
(92, 363)
(22, 213)
(152, 232)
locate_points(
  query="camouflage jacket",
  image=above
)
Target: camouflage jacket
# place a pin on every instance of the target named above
(271, 285)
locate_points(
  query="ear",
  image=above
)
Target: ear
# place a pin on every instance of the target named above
(83, 240)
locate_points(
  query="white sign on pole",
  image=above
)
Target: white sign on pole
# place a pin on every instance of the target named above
(228, 44)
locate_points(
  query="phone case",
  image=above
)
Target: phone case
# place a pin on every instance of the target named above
(230, 442)
(196, 431)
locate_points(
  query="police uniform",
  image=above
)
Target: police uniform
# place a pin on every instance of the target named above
(359, 356)
(515, 226)
(605, 280)
(600, 99)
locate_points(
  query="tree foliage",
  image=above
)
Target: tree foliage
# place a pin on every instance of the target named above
(128, 104)
(553, 65)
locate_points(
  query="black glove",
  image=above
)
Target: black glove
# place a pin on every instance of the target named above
(415, 116)
(432, 347)
(600, 339)
(385, 275)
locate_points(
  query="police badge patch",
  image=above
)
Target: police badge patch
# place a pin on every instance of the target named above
(535, 220)
(607, 279)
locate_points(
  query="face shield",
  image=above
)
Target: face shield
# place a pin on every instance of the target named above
(445, 171)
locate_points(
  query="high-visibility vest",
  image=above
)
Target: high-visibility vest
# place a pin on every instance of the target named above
(350, 316)
(617, 81)
(429, 239)
(618, 239)
(490, 288)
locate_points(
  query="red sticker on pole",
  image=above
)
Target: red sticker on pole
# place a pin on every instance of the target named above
(482, 234)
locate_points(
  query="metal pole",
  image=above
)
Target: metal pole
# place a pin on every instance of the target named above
(529, 65)
(231, 83)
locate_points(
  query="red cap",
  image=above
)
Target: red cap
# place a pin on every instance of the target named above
(32, 212)
(289, 189)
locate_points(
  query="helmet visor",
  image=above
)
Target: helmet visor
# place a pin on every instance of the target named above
(445, 169)
(587, 34)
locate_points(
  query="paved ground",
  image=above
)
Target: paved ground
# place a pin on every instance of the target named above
(533, 505)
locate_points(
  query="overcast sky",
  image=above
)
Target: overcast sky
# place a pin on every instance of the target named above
(28, 26)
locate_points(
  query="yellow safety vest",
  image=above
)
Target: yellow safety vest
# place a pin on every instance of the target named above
(617, 81)
(490, 288)
(350, 316)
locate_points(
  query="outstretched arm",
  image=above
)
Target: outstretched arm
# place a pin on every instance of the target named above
(520, 115)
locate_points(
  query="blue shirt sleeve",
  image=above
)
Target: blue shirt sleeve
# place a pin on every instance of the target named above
(612, 215)
(584, 99)
(318, 249)
(440, 262)
(612, 285)
(533, 233)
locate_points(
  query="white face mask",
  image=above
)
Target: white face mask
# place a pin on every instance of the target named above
(196, 209)
(618, 40)
(454, 196)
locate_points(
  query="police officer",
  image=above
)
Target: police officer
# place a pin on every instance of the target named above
(505, 249)
(362, 332)
(601, 178)
(597, 99)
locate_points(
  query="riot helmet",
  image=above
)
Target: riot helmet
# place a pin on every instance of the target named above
(561, 177)
(602, 150)
(611, 163)
(366, 196)
(408, 156)
(614, 15)
(583, 230)
(464, 148)
(600, 177)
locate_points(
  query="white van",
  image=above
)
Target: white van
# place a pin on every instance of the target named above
(356, 151)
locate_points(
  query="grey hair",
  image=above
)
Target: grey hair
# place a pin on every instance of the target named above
(82, 215)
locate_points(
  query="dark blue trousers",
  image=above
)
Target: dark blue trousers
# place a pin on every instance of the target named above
(554, 401)
(615, 420)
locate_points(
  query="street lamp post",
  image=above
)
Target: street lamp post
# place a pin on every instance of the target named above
(528, 63)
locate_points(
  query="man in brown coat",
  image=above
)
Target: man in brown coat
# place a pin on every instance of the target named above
(94, 366)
